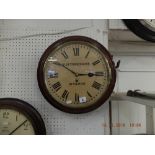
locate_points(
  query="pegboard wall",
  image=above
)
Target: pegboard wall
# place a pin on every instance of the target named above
(22, 42)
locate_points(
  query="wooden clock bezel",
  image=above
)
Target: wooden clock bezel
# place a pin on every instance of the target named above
(46, 94)
(27, 110)
(140, 30)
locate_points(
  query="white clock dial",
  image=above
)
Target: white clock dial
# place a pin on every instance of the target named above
(12, 122)
(85, 75)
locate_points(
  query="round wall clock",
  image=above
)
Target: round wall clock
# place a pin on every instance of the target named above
(19, 118)
(144, 28)
(76, 74)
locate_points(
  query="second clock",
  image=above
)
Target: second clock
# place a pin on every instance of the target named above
(76, 74)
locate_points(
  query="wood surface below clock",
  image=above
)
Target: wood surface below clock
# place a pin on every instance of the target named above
(76, 74)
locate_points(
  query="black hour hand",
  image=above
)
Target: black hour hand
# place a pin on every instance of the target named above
(99, 74)
(90, 74)
(96, 74)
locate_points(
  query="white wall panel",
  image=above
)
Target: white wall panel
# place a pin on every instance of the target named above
(136, 71)
(116, 24)
(18, 65)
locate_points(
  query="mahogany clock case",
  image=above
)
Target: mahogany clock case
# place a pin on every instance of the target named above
(46, 94)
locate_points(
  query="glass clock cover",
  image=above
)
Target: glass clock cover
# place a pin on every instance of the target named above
(76, 74)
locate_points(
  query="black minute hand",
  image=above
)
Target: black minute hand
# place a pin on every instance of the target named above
(59, 64)
(17, 127)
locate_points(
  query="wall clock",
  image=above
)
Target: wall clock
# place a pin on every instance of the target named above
(76, 74)
(19, 118)
(144, 28)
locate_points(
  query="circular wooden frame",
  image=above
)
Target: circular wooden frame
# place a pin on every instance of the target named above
(26, 109)
(42, 86)
(140, 30)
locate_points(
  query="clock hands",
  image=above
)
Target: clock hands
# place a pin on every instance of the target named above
(90, 74)
(57, 63)
(17, 127)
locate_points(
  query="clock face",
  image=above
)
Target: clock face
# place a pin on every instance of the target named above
(76, 74)
(19, 118)
(13, 122)
(144, 28)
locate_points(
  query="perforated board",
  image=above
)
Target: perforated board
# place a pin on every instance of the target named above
(19, 57)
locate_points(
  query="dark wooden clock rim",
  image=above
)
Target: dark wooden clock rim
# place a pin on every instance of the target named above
(26, 109)
(42, 86)
(139, 29)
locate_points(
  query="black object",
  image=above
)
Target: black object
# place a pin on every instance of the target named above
(141, 30)
(138, 93)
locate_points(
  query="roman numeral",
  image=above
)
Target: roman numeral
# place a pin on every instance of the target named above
(65, 94)
(87, 54)
(96, 62)
(56, 86)
(96, 85)
(76, 51)
(76, 98)
(99, 73)
(65, 55)
(89, 94)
